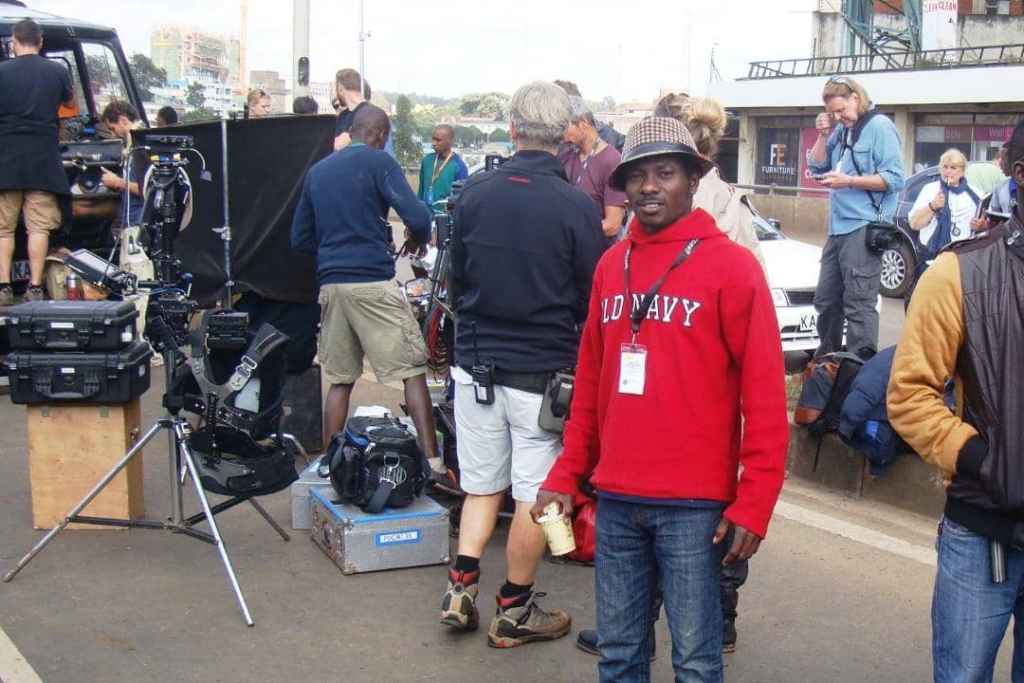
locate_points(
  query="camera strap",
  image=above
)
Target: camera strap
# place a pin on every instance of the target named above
(637, 317)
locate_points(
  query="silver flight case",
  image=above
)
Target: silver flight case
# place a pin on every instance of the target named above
(358, 541)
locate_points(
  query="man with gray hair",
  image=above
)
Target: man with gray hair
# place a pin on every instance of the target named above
(589, 161)
(518, 325)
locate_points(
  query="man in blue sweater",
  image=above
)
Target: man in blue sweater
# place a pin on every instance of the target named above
(342, 218)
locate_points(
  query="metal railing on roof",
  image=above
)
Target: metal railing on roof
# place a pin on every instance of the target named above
(986, 55)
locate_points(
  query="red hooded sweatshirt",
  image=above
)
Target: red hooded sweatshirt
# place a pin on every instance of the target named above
(715, 384)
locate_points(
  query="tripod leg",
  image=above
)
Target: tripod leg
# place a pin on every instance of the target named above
(132, 452)
(186, 456)
(270, 520)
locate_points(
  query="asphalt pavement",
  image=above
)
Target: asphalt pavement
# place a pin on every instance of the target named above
(840, 592)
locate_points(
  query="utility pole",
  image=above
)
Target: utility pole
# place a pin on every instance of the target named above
(300, 48)
(363, 35)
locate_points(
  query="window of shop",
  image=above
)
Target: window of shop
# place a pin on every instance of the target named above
(978, 136)
(781, 155)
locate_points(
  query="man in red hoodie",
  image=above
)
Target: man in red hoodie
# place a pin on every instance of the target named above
(679, 381)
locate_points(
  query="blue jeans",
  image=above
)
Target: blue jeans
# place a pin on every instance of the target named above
(635, 543)
(969, 612)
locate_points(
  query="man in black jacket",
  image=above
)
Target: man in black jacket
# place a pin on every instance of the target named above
(524, 247)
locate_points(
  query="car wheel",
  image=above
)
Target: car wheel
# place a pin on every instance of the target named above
(897, 269)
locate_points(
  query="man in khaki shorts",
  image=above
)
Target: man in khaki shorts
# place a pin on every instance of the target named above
(341, 217)
(31, 172)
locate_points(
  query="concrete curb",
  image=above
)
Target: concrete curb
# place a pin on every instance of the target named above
(910, 484)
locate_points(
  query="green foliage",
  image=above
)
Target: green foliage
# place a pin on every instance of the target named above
(468, 135)
(194, 96)
(199, 114)
(147, 75)
(500, 135)
(424, 118)
(490, 105)
(408, 152)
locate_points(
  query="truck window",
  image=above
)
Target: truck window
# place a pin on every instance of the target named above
(105, 78)
(66, 58)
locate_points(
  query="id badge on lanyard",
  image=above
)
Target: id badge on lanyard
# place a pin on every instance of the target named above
(632, 369)
(633, 356)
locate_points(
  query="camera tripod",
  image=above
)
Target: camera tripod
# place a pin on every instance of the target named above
(182, 464)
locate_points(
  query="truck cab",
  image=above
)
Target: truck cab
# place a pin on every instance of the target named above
(99, 71)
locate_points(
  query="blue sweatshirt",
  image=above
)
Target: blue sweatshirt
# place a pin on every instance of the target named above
(342, 215)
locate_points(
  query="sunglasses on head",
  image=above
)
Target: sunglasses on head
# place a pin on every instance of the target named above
(840, 80)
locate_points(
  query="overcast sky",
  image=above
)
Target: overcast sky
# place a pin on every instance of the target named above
(627, 49)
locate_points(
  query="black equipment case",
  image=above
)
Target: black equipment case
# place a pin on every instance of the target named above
(72, 325)
(110, 377)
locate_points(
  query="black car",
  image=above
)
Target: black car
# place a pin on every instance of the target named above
(99, 71)
(899, 261)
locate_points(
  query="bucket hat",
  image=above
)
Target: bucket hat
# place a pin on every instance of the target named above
(655, 136)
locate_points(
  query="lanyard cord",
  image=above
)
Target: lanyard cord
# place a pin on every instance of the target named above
(637, 317)
(583, 169)
(437, 171)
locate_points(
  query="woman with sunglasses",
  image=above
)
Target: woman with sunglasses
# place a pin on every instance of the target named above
(861, 161)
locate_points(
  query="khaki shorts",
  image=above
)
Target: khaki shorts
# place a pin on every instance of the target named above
(501, 444)
(371, 318)
(42, 215)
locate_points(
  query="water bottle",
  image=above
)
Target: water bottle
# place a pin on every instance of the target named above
(73, 286)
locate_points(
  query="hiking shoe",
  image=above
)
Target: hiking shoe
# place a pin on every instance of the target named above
(515, 626)
(6, 296)
(587, 641)
(458, 607)
(35, 293)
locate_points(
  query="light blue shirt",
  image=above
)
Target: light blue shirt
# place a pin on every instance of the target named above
(878, 150)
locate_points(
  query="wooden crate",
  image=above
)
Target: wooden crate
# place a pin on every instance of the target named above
(72, 447)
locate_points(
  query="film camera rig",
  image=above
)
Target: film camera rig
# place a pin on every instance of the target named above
(168, 328)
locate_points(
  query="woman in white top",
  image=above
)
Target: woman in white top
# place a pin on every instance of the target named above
(946, 209)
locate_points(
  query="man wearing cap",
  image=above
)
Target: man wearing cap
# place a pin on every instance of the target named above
(679, 381)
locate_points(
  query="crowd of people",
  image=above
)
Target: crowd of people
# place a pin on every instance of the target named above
(631, 264)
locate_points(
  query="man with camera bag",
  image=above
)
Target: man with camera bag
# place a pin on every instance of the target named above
(861, 161)
(342, 218)
(965, 322)
(679, 381)
(523, 251)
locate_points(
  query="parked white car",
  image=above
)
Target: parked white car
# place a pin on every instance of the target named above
(793, 276)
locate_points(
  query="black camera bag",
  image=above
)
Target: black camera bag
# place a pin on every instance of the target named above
(375, 462)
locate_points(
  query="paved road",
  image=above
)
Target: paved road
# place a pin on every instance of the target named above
(839, 593)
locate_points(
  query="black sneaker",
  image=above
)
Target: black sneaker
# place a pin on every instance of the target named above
(458, 607)
(728, 636)
(587, 641)
(521, 624)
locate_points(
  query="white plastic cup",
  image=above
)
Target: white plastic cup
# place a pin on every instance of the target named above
(557, 530)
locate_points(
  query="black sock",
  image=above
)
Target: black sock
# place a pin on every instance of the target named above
(514, 594)
(465, 563)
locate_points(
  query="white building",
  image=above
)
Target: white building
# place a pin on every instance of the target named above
(968, 96)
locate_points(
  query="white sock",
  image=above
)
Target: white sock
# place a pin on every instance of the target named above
(437, 464)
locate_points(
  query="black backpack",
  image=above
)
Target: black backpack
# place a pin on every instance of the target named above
(375, 462)
(826, 381)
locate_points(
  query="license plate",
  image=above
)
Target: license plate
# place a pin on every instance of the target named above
(809, 322)
(20, 271)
